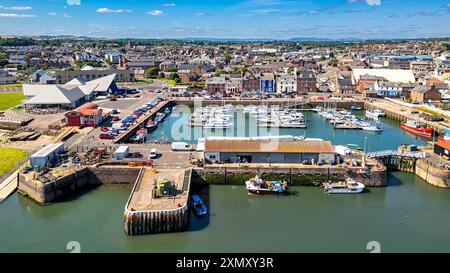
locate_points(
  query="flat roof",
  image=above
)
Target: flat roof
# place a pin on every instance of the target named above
(267, 146)
(50, 148)
(122, 149)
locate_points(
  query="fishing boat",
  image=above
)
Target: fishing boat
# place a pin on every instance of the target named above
(348, 186)
(198, 206)
(139, 137)
(376, 114)
(259, 186)
(160, 117)
(417, 128)
(151, 125)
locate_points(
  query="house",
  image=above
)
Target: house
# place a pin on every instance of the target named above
(113, 57)
(88, 115)
(425, 93)
(216, 85)
(306, 82)
(43, 77)
(367, 81)
(187, 76)
(142, 63)
(263, 151)
(6, 78)
(392, 75)
(286, 83)
(251, 83)
(267, 81)
(233, 86)
(388, 89)
(345, 86)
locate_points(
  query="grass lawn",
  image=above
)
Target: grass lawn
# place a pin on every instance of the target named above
(11, 85)
(431, 111)
(9, 157)
(168, 81)
(10, 99)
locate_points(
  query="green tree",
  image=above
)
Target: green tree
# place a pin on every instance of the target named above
(152, 73)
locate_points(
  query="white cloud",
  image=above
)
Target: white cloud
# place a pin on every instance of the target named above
(107, 10)
(73, 2)
(53, 14)
(14, 15)
(156, 12)
(17, 7)
(65, 15)
(169, 5)
(199, 14)
(369, 2)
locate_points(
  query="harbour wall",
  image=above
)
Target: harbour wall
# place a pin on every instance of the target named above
(45, 193)
(158, 221)
(432, 174)
(294, 176)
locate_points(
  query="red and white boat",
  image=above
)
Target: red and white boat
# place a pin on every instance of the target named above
(417, 128)
(151, 125)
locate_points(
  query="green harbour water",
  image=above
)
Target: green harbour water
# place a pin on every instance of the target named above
(408, 215)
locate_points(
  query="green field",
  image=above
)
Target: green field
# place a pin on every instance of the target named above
(9, 157)
(11, 85)
(10, 99)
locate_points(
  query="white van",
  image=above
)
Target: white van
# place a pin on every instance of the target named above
(153, 154)
(118, 126)
(181, 146)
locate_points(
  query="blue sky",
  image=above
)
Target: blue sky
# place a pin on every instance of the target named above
(276, 19)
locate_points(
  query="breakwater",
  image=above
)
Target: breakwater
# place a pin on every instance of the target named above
(49, 191)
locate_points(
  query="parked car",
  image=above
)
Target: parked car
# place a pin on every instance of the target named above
(106, 136)
(153, 154)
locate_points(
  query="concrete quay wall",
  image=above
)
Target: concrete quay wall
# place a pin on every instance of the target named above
(45, 193)
(432, 174)
(294, 176)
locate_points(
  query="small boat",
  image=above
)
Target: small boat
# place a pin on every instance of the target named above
(376, 114)
(348, 186)
(151, 125)
(372, 128)
(355, 108)
(198, 206)
(417, 128)
(259, 186)
(160, 117)
(139, 137)
(167, 111)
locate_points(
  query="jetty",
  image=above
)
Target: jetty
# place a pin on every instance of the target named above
(154, 207)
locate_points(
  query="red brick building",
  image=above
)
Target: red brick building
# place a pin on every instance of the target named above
(306, 82)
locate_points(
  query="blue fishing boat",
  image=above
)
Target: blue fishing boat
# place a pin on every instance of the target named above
(198, 206)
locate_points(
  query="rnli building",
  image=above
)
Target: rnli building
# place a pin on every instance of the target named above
(266, 151)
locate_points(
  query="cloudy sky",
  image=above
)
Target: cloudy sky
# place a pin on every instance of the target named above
(277, 19)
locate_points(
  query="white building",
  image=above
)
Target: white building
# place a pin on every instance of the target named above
(286, 83)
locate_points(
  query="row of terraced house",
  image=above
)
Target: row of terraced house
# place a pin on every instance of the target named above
(302, 82)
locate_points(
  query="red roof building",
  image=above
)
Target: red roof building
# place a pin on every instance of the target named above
(86, 115)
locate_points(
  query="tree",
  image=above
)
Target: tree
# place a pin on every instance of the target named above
(3, 63)
(174, 76)
(152, 73)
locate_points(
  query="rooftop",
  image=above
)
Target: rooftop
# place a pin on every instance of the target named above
(264, 146)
